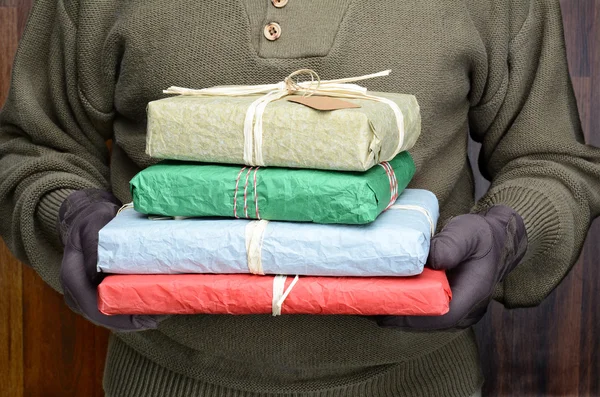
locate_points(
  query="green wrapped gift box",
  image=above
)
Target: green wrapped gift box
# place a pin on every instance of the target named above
(211, 129)
(194, 189)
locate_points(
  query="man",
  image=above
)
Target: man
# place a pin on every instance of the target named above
(85, 71)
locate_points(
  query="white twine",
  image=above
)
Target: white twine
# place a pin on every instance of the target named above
(253, 121)
(254, 234)
(279, 295)
(416, 208)
(255, 231)
(125, 207)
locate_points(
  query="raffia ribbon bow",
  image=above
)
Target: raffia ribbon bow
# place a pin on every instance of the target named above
(253, 125)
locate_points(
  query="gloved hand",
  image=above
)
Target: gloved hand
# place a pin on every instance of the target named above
(80, 218)
(477, 251)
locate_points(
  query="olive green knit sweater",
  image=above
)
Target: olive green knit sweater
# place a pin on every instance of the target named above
(86, 69)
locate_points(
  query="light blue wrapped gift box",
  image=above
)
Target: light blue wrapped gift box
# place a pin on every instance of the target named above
(395, 244)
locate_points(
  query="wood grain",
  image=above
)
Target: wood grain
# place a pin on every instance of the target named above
(553, 349)
(11, 322)
(46, 350)
(11, 283)
(64, 353)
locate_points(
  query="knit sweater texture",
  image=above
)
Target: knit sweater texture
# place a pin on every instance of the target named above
(496, 69)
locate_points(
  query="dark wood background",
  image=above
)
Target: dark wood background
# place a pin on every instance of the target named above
(551, 350)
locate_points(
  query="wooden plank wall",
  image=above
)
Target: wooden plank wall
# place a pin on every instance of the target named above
(11, 273)
(46, 350)
(553, 349)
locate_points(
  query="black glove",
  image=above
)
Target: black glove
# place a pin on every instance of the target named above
(478, 251)
(80, 218)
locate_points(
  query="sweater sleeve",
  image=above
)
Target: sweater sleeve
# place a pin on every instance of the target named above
(52, 141)
(534, 153)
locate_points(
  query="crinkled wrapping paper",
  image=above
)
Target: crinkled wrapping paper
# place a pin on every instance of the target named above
(395, 244)
(196, 189)
(426, 294)
(211, 129)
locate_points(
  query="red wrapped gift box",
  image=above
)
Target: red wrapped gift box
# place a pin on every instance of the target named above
(426, 294)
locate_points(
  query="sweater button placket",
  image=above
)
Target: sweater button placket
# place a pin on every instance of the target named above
(279, 3)
(272, 30)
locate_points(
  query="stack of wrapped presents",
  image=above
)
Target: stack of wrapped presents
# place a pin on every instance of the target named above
(286, 198)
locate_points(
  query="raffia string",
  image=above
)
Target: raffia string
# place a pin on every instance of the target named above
(253, 122)
(279, 295)
(418, 208)
(125, 207)
(254, 234)
(293, 86)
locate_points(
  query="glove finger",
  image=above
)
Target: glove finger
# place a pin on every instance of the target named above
(428, 323)
(81, 295)
(79, 204)
(89, 229)
(464, 237)
(466, 296)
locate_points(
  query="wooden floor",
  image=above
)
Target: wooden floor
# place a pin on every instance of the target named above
(551, 350)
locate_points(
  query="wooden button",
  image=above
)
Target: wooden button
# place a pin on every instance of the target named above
(279, 3)
(272, 31)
